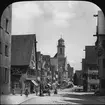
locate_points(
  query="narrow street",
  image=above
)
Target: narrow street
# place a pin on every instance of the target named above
(65, 96)
(52, 52)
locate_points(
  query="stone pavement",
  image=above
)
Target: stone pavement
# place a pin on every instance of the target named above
(18, 99)
(15, 99)
(101, 99)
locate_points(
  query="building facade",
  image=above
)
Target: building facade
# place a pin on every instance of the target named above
(70, 72)
(59, 62)
(79, 80)
(62, 61)
(100, 49)
(5, 50)
(47, 76)
(23, 63)
(38, 64)
(90, 69)
(54, 69)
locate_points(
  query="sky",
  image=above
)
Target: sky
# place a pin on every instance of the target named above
(49, 20)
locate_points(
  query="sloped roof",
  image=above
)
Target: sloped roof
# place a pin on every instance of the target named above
(61, 39)
(21, 49)
(55, 56)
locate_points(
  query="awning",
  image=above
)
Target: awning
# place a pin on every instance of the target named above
(34, 82)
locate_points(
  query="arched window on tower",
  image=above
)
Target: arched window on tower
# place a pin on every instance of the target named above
(60, 50)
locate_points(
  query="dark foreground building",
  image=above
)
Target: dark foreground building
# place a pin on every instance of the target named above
(5, 50)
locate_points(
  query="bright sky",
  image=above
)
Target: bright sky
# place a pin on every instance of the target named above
(50, 19)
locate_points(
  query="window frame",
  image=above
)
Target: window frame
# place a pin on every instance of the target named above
(6, 24)
(6, 50)
(61, 51)
(6, 75)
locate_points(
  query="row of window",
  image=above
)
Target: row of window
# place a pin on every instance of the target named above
(4, 74)
(93, 77)
(6, 49)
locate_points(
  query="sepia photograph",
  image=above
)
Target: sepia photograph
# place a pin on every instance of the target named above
(52, 52)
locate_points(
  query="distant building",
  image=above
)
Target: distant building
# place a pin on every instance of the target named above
(79, 81)
(5, 50)
(23, 62)
(61, 62)
(47, 77)
(84, 66)
(70, 72)
(39, 63)
(100, 49)
(54, 68)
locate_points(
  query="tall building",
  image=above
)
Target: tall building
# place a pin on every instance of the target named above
(90, 69)
(61, 62)
(70, 72)
(5, 50)
(100, 49)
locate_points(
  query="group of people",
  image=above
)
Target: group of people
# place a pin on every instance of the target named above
(37, 89)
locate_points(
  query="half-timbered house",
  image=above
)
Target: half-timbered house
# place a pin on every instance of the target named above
(23, 62)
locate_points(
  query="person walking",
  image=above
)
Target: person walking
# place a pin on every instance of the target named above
(21, 92)
(13, 91)
(26, 92)
(36, 90)
(55, 88)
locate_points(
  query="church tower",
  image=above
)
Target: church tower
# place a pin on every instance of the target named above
(61, 48)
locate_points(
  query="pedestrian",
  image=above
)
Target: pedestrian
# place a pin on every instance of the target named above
(21, 92)
(13, 91)
(26, 92)
(36, 90)
(55, 88)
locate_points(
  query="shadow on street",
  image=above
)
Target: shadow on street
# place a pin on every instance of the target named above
(80, 98)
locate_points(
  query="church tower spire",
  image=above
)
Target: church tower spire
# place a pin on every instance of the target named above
(61, 48)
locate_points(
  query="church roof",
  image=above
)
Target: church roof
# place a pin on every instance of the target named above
(61, 39)
(21, 49)
(55, 56)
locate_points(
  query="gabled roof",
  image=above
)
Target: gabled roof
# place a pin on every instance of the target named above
(21, 49)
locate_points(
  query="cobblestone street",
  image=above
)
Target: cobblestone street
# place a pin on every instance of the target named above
(52, 52)
(67, 97)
